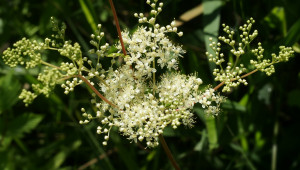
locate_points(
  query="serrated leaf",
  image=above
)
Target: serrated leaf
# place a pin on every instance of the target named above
(61, 156)
(24, 123)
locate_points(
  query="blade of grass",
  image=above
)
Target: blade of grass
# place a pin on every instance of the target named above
(88, 15)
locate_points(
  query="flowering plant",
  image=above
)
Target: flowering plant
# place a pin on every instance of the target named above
(133, 97)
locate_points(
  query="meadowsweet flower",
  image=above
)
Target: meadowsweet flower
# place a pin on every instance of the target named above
(140, 115)
(134, 100)
(148, 44)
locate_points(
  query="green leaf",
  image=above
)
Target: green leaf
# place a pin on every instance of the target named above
(293, 34)
(24, 123)
(259, 141)
(151, 155)
(211, 21)
(169, 132)
(9, 90)
(242, 134)
(59, 158)
(296, 47)
(276, 19)
(231, 105)
(212, 133)
(200, 144)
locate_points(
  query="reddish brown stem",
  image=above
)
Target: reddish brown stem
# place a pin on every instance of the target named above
(117, 26)
(219, 85)
(243, 76)
(162, 140)
(96, 91)
(168, 152)
(248, 74)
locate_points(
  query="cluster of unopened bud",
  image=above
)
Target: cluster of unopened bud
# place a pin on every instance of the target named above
(105, 131)
(60, 30)
(266, 65)
(218, 58)
(25, 52)
(231, 73)
(47, 81)
(155, 11)
(245, 36)
(70, 85)
(70, 51)
(95, 41)
(27, 96)
(69, 68)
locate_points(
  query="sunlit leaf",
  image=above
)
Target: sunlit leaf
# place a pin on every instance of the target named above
(211, 21)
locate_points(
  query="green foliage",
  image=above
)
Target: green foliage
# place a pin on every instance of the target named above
(9, 90)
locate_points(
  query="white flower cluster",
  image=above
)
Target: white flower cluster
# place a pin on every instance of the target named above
(134, 99)
(141, 113)
(143, 104)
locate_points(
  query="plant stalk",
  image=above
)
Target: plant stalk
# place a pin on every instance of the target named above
(162, 140)
(274, 146)
(168, 152)
(96, 91)
(117, 26)
(243, 76)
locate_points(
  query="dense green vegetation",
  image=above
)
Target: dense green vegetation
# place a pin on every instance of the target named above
(257, 128)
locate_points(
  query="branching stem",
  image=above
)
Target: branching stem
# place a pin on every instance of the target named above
(243, 76)
(96, 91)
(50, 65)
